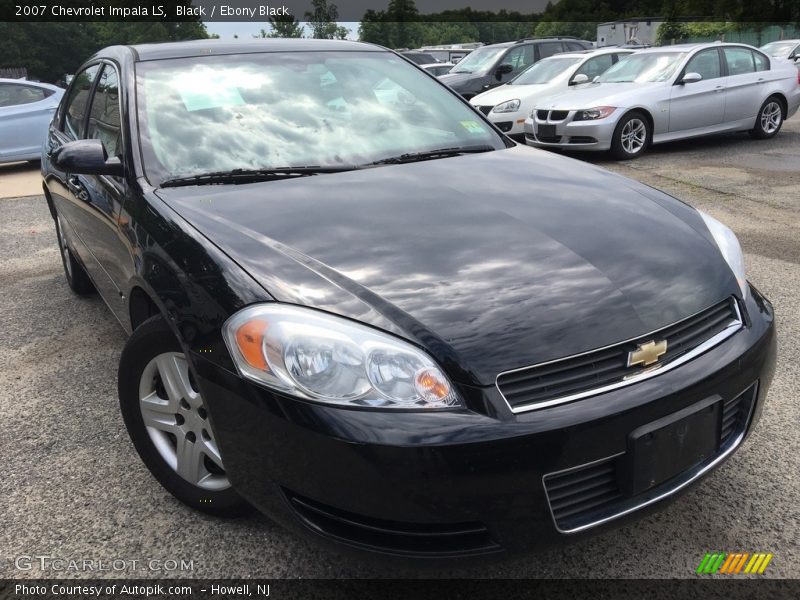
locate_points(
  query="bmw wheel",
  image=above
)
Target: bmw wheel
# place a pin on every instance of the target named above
(168, 422)
(769, 120)
(77, 279)
(631, 137)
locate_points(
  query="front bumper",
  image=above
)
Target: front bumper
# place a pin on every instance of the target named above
(472, 481)
(576, 135)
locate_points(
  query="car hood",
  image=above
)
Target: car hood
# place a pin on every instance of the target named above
(456, 79)
(490, 261)
(597, 94)
(503, 93)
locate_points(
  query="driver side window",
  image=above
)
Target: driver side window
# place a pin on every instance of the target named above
(104, 119)
(78, 102)
(595, 66)
(706, 63)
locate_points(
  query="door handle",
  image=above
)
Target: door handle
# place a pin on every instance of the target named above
(760, 80)
(74, 186)
(719, 88)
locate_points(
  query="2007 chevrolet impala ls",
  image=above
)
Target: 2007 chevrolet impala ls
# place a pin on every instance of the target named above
(358, 307)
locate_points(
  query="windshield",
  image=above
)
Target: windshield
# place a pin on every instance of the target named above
(479, 60)
(779, 49)
(294, 109)
(544, 71)
(644, 68)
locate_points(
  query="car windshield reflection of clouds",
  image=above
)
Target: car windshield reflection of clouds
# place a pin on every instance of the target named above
(273, 110)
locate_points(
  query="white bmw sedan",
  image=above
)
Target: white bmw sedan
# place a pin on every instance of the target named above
(508, 105)
(669, 93)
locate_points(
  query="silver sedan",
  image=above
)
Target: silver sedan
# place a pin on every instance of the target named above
(664, 94)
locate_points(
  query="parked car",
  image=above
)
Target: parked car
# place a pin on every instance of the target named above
(670, 93)
(507, 106)
(438, 69)
(362, 321)
(493, 65)
(783, 49)
(25, 111)
(421, 58)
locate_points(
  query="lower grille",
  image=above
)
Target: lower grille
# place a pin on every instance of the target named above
(554, 139)
(591, 494)
(597, 371)
(393, 537)
(485, 109)
(582, 139)
(505, 126)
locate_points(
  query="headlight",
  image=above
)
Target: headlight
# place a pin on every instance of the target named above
(508, 106)
(729, 247)
(591, 114)
(328, 359)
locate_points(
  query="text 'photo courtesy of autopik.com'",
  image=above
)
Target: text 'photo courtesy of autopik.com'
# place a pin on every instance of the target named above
(345, 298)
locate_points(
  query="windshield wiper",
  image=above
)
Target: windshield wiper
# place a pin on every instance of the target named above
(433, 154)
(252, 175)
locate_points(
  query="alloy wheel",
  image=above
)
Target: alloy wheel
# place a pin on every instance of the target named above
(633, 136)
(177, 422)
(771, 117)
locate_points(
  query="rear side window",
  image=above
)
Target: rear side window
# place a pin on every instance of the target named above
(574, 46)
(78, 101)
(549, 48)
(12, 94)
(762, 62)
(104, 121)
(740, 61)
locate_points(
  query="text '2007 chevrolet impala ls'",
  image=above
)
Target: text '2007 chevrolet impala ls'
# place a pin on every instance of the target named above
(355, 305)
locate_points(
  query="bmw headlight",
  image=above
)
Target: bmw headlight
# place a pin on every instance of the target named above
(507, 107)
(592, 114)
(729, 247)
(332, 360)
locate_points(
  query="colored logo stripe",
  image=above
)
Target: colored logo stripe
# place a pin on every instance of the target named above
(734, 563)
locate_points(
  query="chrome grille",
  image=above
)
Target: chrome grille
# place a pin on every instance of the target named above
(597, 371)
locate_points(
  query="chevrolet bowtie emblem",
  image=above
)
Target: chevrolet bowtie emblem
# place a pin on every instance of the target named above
(647, 354)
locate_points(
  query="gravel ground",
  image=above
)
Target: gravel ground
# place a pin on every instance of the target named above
(74, 488)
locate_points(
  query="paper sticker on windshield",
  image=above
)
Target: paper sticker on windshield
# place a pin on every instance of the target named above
(472, 126)
(210, 97)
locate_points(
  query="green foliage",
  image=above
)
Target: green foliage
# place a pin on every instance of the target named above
(322, 21)
(50, 50)
(283, 26)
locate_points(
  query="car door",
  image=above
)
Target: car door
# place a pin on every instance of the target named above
(520, 58)
(25, 111)
(743, 96)
(701, 103)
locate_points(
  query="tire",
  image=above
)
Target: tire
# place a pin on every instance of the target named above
(76, 276)
(769, 119)
(632, 136)
(177, 445)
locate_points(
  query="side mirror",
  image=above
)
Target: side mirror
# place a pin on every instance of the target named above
(503, 69)
(86, 157)
(579, 79)
(691, 78)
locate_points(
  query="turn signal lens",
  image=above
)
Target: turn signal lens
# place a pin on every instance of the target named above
(432, 386)
(250, 341)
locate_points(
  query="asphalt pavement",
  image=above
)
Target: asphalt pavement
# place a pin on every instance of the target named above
(73, 487)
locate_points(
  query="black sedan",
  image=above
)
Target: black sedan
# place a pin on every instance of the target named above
(357, 306)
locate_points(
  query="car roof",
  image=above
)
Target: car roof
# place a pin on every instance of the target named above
(692, 47)
(167, 50)
(31, 83)
(534, 41)
(593, 52)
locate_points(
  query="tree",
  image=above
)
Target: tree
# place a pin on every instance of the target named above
(322, 21)
(283, 26)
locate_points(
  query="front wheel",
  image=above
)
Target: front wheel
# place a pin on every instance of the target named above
(769, 120)
(168, 422)
(631, 137)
